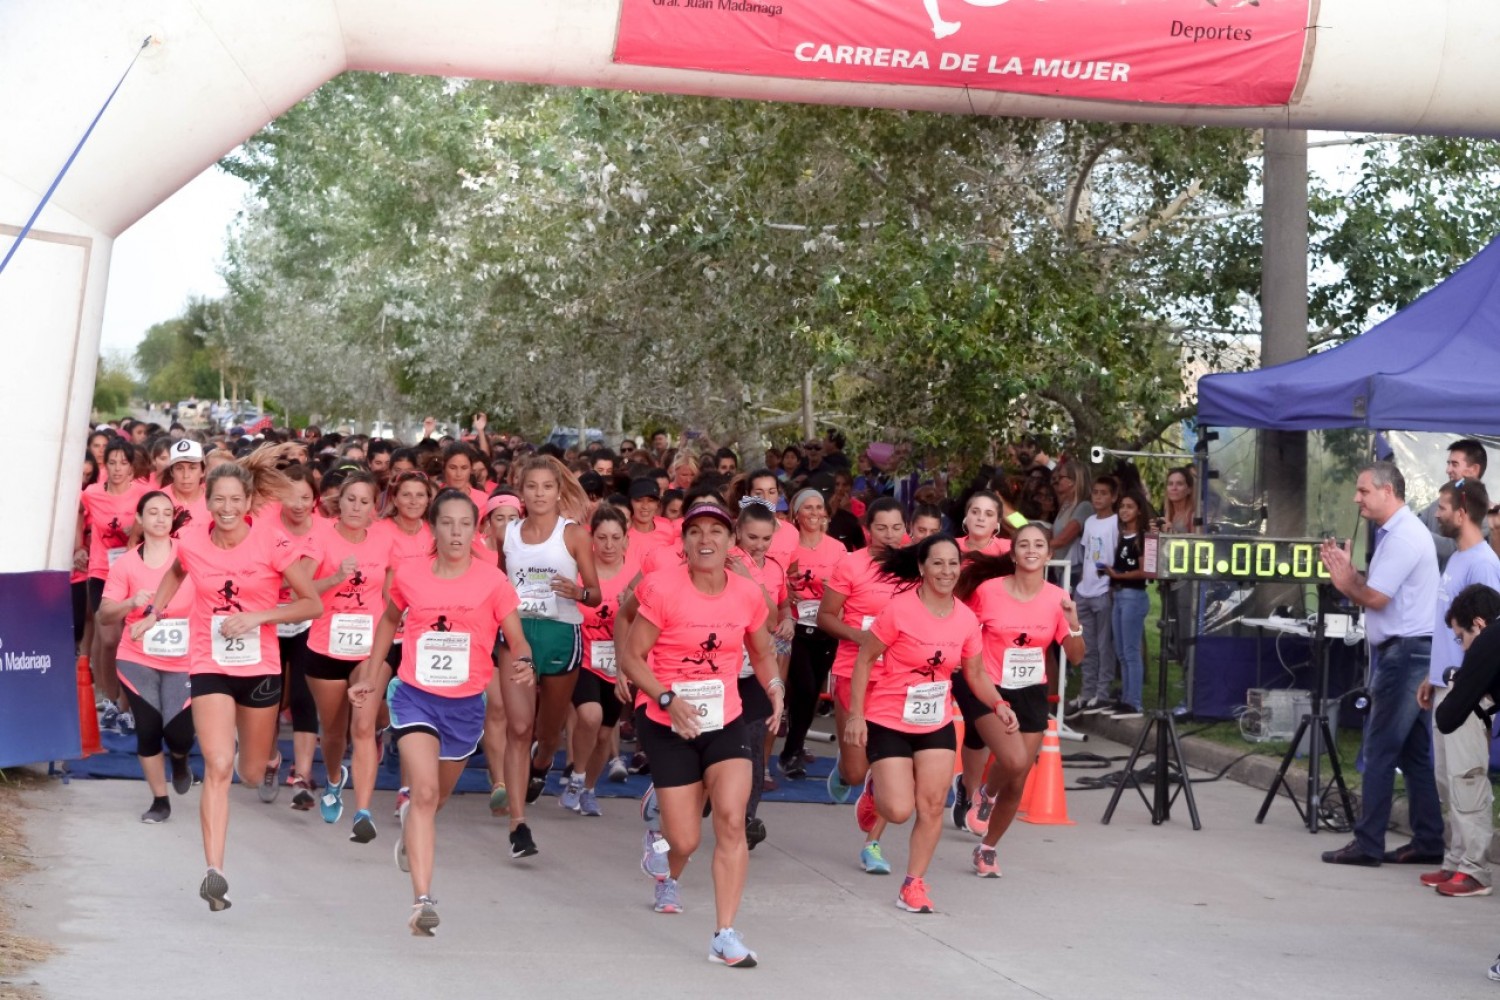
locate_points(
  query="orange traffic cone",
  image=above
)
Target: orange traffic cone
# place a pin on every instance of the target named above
(88, 721)
(1049, 805)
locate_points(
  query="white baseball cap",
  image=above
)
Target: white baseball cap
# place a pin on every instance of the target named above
(185, 450)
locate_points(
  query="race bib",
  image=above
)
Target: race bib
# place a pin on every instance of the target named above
(114, 554)
(926, 704)
(167, 639)
(1024, 668)
(866, 622)
(707, 699)
(746, 670)
(807, 612)
(351, 635)
(236, 651)
(443, 659)
(537, 601)
(602, 655)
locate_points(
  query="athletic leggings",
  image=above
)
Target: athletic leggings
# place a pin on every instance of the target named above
(80, 592)
(299, 696)
(807, 672)
(159, 700)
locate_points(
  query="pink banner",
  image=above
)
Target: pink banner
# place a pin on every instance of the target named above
(1189, 52)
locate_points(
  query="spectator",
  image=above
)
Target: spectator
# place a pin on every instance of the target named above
(1398, 594)
(1100, 538)
(1467, 461)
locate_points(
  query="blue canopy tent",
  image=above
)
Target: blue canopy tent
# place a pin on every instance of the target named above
(1431, 367)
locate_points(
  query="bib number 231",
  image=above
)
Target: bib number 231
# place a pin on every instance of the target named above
(926, 704)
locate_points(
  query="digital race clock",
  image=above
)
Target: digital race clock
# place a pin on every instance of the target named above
(1232, 557)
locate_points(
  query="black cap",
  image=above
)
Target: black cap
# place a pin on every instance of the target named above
(641, 488)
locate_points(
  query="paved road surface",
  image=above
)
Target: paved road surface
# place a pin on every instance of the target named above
(1087, 911)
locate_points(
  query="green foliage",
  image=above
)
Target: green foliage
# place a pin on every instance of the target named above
(557, 254)
(176, 357)
(113, 386)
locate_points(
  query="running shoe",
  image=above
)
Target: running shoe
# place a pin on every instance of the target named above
(588, 803)
(125, 723)
(640, 763)
(654, 855)
(1124, 710)
(793, 769)
(571, 794)
(1495, 971)
(521, 844)
(768, 783)
(303, 799)
(649, 809)
(755, 831)
(331, 804)
(838, 790)
(985, 865)
(865, 813)
(1462, 884)
(667, 899)
(913, 897)
(1434, 879)
(182, 775)
(364, 827)
(403, 796)
(269, 788)
(536, 785)
(215, 891)
(160, 811)
(961, 802)
(872, 859)
(401, 859)
(109, 719)
(424, 918)
(728, 949)
(618, 769)
(977, 819)
(1096, 706)
(499, 800)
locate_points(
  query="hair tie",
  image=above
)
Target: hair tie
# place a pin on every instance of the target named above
(749, 501)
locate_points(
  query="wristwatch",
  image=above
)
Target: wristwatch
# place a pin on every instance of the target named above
(665, 699)
(1075, 634)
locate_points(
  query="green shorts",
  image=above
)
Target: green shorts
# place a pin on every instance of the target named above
(556, 647)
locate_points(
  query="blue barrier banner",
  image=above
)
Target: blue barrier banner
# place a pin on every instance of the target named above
(38, 677)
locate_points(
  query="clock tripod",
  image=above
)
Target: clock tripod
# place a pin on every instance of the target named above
(1319, 741)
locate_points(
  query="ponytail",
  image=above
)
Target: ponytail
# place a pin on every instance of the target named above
(905, 563)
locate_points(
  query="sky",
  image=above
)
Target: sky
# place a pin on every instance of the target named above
(172, 253)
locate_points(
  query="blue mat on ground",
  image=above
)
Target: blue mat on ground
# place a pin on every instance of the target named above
(119, 761)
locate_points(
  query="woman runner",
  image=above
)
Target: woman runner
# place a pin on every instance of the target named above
(682, 652)
(501, 510)
(353, 571)
(857, 591)
(982, 522)
(755, 532)
(153, 669)
(183, 480)
(600, 692)
(454, 606)
(902, 681)
(106, 512)
(812, 648)
(295, 513)
(1022, 616)
(549, 560)
(234, 662)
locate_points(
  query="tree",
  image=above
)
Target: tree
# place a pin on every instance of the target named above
(174, 357)
(113, 386)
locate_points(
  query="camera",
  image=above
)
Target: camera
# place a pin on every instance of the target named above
(1096, 455)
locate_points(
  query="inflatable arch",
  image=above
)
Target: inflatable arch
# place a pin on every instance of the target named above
(215, 71)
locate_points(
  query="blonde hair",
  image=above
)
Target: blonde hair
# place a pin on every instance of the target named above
(572, 502)
(256, 473)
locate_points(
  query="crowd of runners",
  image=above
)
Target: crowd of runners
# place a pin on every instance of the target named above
(479, 593)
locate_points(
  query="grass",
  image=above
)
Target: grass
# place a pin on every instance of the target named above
(16, 951)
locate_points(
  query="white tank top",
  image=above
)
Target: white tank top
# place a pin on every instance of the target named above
(531, 568)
